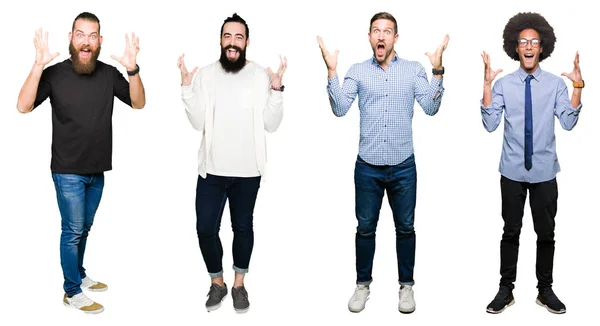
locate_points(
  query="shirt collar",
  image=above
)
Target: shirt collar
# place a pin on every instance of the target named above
(536, 74)
(395, 58)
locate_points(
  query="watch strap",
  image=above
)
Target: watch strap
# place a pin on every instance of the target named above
(135, 71)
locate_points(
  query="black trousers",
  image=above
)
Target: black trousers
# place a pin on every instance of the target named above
(542, 199)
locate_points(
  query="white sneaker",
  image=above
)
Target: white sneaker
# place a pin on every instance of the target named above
(359, 298)
(91, 285)
(81, 302)
(406, 305)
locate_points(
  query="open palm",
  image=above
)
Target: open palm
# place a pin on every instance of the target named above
(132, 47)
(42, 53)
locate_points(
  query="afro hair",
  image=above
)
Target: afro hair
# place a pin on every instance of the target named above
(528, 20)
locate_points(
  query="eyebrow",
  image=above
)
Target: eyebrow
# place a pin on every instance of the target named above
(80, 31)
(240, 34)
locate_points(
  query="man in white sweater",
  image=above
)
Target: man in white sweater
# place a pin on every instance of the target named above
(231, 102)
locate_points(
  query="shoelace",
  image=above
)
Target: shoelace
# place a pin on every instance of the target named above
(404, 298)
(214, 290)
(242, 291)
(549, 295)
(81, 300)
(359, 293)
(503, 293)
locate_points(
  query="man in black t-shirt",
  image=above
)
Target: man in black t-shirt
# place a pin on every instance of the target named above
(81, 91)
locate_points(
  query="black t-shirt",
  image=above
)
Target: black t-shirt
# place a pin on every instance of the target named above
(82, 107)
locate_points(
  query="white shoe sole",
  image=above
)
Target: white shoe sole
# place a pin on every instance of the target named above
(512, 302)
(217, 306)
(549, 309)
(87, 312)
(241, 311)
(406, 311)
(95, 290)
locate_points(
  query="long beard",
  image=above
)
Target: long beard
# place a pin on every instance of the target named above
(80, 67)
(232, 66)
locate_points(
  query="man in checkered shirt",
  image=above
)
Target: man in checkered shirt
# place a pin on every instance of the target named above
(387, 87)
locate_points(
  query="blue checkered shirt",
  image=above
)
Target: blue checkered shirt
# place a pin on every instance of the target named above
(386, 102)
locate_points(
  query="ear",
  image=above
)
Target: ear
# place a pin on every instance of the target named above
(396, 38)
(247, 42)
(70, 37)
(100, 40)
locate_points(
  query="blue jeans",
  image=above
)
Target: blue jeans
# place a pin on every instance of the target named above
(211, 195)
(400, 184)
(78, 199)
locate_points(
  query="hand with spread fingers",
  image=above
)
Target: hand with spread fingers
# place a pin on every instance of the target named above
(276, 77)
(186, 76)
(575, 75)
(132, 47)
(488, 73)
(42, 53)
(330, 59)
(436, 57)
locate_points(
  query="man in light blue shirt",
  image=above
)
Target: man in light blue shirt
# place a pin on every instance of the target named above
(530, 98)
(387, 87)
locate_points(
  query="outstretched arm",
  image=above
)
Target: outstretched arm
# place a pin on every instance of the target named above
(568, 112)
(191, 95)
(128, 60)
(273, 112)
(492, 103)
(29, 91)
(340, 98)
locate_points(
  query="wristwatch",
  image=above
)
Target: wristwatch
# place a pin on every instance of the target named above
(134, 72)
(437, 72)
(580, 84)
(281, 88)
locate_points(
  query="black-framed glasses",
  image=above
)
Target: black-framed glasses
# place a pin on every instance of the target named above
(534, 42)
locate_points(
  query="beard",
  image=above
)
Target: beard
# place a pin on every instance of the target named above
(80, 67)
(232, 66)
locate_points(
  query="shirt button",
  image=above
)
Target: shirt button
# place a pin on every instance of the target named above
(384, 140)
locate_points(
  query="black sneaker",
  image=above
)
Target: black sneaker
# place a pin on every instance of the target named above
(216, 294)
(240, 299)
(546, 298)
(503, 300)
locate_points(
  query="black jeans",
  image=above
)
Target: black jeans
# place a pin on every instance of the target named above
(211, 194)
(542, 199)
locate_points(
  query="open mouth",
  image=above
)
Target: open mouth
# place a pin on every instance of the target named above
(231, 53)
(380, 49)
(85, 53)
(528, 55)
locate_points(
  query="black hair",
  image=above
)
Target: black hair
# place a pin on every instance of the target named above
(86, 16)
(236, 19)
(528, 20)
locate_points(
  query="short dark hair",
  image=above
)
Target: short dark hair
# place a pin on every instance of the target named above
(384, 15)
(236, 19)
(528, 20)
(86, 16)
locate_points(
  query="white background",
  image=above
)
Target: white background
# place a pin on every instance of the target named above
(143, 243)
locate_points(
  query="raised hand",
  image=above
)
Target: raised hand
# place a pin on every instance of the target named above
(186, 76)
(276, 77)
(574, 75)
(42, 53)
(132, 47)
(436, 57)
(488, 73)
(330, 59)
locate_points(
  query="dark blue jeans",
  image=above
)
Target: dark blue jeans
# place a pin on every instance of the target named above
(211, 194)
(400, 184)
(78, 199)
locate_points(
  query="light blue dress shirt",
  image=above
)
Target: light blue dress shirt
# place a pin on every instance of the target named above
(550, 98)
(386, 101)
